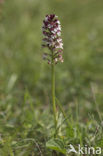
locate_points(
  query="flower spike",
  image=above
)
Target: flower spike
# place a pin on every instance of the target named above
(52, 40)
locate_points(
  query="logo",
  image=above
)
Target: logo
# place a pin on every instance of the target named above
(84, 150)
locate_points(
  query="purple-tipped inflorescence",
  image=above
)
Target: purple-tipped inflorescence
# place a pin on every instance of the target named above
(52, 38)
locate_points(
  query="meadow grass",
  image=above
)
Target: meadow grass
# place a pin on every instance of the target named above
(26, 121)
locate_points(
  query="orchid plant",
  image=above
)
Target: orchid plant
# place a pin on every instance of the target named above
(52, 40)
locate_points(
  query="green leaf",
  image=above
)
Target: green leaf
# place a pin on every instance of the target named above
(57, 145)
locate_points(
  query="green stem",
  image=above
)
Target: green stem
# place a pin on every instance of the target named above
(53, 93)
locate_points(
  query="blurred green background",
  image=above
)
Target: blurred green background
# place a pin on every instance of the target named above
(21, 52)
(24, 74)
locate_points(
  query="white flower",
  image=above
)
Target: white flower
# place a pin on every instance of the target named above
(59, 40)
(59, 33)
(58, 22)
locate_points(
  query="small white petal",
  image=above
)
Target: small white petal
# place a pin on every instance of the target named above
(53, 36)
(59, 40)
(59, 27)
(46, 19)
(59, 47)
(49, 26)
(59, 33)
(53, 32)
(56, 60)
(58, 22)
